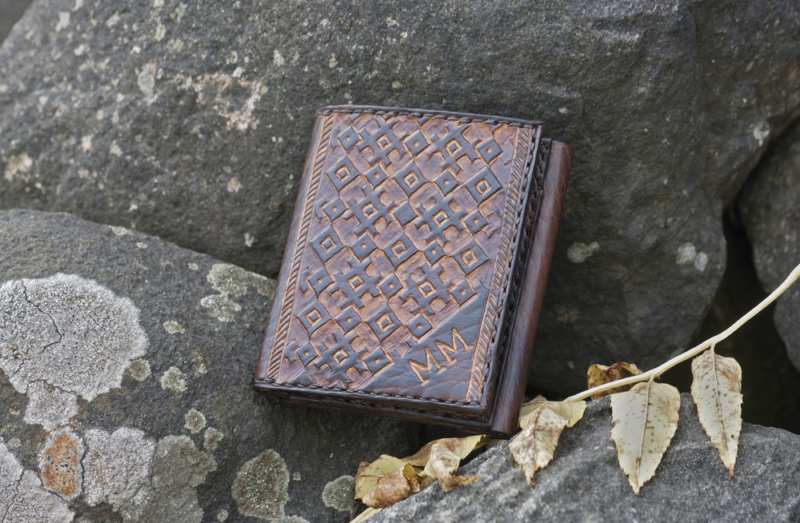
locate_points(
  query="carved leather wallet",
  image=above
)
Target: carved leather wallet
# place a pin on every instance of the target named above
(415, 267)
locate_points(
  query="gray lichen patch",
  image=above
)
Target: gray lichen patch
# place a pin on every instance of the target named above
(139, 370)
(211, 438)
(174, 380)
(221, 307)
(69, 332)
(261, 487)
(22, 498)
(177, 469)
(122, 231)
(580, 252)
(232, 281)
(49, 406)
(116, 465)
(340, 494)
(60, 463)
(173, 327)
(195, 421)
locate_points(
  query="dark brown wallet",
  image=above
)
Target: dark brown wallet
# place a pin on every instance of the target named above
(415, 267)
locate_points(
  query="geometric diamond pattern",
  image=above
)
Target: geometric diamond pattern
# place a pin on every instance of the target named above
(363, 153)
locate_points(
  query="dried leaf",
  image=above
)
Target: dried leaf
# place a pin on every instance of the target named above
(393, 487)
(601, 374)
(369, 473)
(716, 390)
(366, 514)
(528, 409)
(445, 457)
(645, 419)
(533, 448)
(420, 459)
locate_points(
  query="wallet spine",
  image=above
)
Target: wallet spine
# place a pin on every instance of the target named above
(519, 352)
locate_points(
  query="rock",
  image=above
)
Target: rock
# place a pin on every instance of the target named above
(157, 423)
(12, 11)
(191, 122)
(584, 481)
(770, 210)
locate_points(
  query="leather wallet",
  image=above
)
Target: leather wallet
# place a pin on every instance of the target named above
(415, 267)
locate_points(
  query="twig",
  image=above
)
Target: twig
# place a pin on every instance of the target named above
(795, 274)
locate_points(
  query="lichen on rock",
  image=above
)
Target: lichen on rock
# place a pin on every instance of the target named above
(60, 463)
(232, 281)
(261, 487)
(177, 469)
(69, 332)
(174, 380)
(116, 465)
(49, 406)
(340, 495)
(22, 498)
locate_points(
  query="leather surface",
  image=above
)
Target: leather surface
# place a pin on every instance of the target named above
(408, 247)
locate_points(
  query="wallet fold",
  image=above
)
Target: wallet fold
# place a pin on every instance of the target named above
(415, 268)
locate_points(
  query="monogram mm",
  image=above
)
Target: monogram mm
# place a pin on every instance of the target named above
(400, 267)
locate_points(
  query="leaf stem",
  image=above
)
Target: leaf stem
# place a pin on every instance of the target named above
(654, 373)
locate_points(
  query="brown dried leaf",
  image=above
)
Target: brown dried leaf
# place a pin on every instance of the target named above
(601, 374)
(716, 390)
(528, 409)
(645, 419)
(533, 448)
(445, 457)
(369, 473)
(393, 487)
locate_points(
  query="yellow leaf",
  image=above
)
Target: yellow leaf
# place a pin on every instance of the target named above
(533, 448)
(393, 487)
(528, 409)
(445, 457)
(366, 514)
(601, 374)
(716, 390)
(369, 473)
(645, 419)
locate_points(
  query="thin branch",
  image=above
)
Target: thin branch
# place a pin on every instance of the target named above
(795, 274)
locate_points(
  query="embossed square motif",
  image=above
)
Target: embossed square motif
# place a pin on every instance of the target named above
(413, 237)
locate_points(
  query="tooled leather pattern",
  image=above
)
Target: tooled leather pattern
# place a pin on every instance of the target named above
(402, 257)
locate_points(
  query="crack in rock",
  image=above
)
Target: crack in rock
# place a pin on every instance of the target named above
(22, 498)
(67, 332)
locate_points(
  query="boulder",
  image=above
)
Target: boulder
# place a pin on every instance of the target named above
(584, 481)
(126, 366)
(770, 211)
(191, 121)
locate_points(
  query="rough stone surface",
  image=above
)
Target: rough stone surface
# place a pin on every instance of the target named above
(770, 209)
(584, 481)
(191, 121)
(148, 458)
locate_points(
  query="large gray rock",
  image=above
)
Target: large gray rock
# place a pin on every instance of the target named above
(126, 366)
(191, 121)
(584, 483)
(770, 210)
